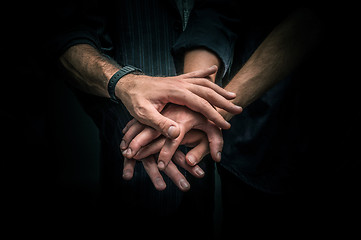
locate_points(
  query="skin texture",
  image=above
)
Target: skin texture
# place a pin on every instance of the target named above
(284, 49)
(145, 96)
(187, 120)
(196, 131)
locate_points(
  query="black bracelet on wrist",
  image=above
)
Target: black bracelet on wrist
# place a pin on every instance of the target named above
(116, 77)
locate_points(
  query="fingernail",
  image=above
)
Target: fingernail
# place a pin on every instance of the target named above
(172, 131)
(161, 165)
(122, 145)
(191, 160)
(127, 174)
(199, 171)
(219, 156)
(184, 184)
(124, 152)
(227, 125)
(160, 183)
(238, 108)
(127, 152)
(232, 93)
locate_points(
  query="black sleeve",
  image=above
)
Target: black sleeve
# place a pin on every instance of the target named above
(208, 27)
(77, 22)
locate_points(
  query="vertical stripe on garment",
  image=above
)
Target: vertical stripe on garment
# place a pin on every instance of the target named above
(143, 38)
(146, 38)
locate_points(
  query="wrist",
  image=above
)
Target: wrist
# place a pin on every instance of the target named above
(124, 85)
(114, 84)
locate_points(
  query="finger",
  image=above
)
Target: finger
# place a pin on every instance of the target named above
(196, 154)
(168, 150)
(142, 139)
(214, 98)
(180, 159)
(198, 104)
(208, 84)
(131, 132)
(151, 168)
(129, 124)
(201, 73)
(193, 137)
(128, 169)
(151, 117)
(150, 149)
(215, 139)
(177, 177)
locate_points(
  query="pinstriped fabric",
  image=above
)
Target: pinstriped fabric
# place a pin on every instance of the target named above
(142, 33)
(145, 39)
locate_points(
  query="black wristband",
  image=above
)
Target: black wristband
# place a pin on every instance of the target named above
(116, 77)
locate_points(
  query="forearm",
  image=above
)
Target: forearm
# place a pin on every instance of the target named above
(277, 56)
(200, 58)
(90, 70)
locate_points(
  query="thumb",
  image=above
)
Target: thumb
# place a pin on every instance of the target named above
(201, 73)
(156, 120)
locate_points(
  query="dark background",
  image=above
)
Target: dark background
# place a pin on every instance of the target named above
(50, 147)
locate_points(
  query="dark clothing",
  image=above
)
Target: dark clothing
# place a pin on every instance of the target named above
(286, 163)
(254, 212)
(145, 34)
(148, 34)
(152, 29)
(260, 147)
(147, 41)
(265, 150)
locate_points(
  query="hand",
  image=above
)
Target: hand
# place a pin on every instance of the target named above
(137, 136)
(145, 97)
(172, 171)
(194, 138)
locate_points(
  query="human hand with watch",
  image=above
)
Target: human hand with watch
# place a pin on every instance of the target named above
(146, 96)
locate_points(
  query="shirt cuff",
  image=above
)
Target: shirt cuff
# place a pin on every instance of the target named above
(211, 35)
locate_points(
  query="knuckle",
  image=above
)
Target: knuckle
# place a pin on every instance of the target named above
(204, 104)
(209, 94)
(216, 140)
(135, 145)
(205, 82)
(162, 123)
(220, 142)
